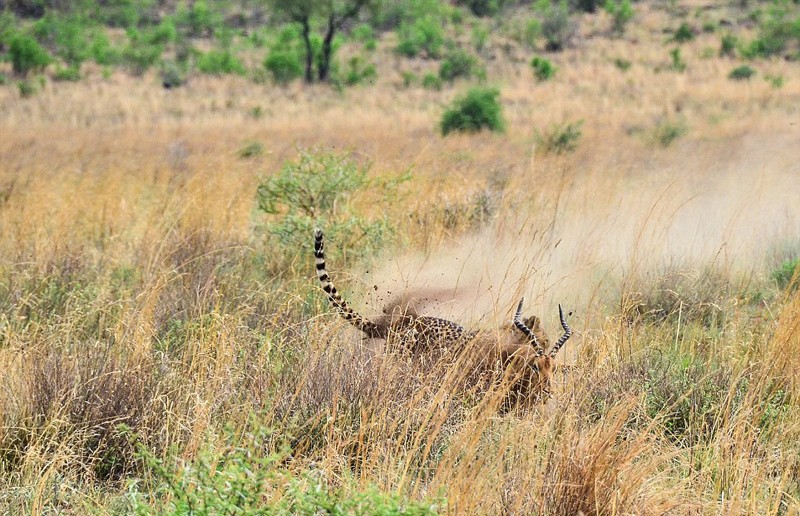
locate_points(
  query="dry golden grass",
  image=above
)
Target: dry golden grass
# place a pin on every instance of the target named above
(136, 287)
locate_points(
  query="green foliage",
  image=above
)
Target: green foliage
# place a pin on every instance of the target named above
(460, 64)
(122, 13)
(198, 19)
(741, 73)
(683, 34)
(359, 71)
(776, 81)
(172, 74)
(251, 150)
(526, 31)
(588, 6)
(559, 139)
(676, 61)
(139, 54)
(69, 73)
(27, 55)
(483, 7)
(556, 25)
(424, 36)
(431, 81)
(480, 37)
(319, 190)
(220, 62)
(365, 35)
(776, 33)
(623, 64)
(284, 67)
(728, 45)
(667, 131)
(543, 69)
(621, 12)
(479, 109)
(68, 37)
(240, 475)
(787, 272)
(27, 88)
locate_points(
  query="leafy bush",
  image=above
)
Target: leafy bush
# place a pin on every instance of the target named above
(251, 150)
(478, 109)
(220, 62)
(68, 37)
(775, 34)
(684, 33)
(459, 64)
(27, 88)
(483, 7)
(431, 81)
(667, 131)
(543, 69)
(741, 73)
(676, 61)
(359, 71)
(776, 81)
(139, 55)
(557, 27)
(68, 73)
(102, 52)
(559, 139)
(621, 12)
(423, 36)
(283, 66)
(728, 45)
(122, 13)
(198, 19)
(784, 274)
(526, 32)
(318, 191)
(623, 64)
(27, 55)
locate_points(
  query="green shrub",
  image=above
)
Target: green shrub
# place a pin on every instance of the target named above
(741, 73)
(621, 12)
(3, 79)
(27, 55)
(480, 37)
(483, 7)
(431, 81)
(622, 64)
(784, 274)
(139, 55)
(409, 78)
(684, 33)
(251, 150)
(68, 73)
(163, 33)
(284, 67)
(667, 131)
(543, 69)
(775, 34)
(172, 75)
(318, 191)
(68, 37)
(728, 44)
(559, 139)
(423, 36)
(676, 61)
(102, 52)
(365, 35)
(776, 81)
(27, 88)
(122, 13)
(359, 71)
(526, 31)
(459, 64)
(220, 62)
(557, 27)
(478, 109)
(198, 20)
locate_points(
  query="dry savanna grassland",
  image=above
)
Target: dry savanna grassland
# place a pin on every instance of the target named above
(165, 346)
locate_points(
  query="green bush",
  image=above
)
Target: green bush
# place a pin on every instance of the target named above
(172, 75)
(741, 73)
(543, 69)
(318, 190)
(365, 35)
(483, 7)
(359, 72)
(557, 27)
(139, 55)
(459, 64)
(667, 131)
(220, 62)
(422, 36)
(68, 37)
(27, 88)
(776, 81)
(784, 274)
(728, 44)
(478, 109)
(775, 34)
(431, 81)
(623, 64)
(676, 61)
(102, 52)
(69, 73)
(122, 13)
(283, 66)
(27, 55)
(559, 139)
(621, 12)
(683, 33)
(198, 20)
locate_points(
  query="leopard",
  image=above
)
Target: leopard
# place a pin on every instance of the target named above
(516, 350)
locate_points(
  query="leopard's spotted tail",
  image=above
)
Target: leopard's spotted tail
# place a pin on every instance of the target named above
(368, 327)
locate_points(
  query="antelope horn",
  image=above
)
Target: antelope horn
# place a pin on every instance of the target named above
(567, 332)
(527, 331)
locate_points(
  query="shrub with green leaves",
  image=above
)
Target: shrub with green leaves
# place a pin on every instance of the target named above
(139, 55)
(479, 109)
(67, 73)
(460, 64)
(27, 55)
(359, 71)
(284, 67)
(676, 61)
(560, 138)
(483, 7)
(787, 272)
(431, 81)
(621, 12)
(68, 37)
(741, 73)
(728, 44)
(775, 34)
(319, 190)
(668, 131)
(198, 19)
(422, 36)
(543, 69)
(220, 62)
(557, 26)
(684, 33)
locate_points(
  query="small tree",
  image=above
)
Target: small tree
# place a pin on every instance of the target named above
(27, 55)
(479, 109)
(334, 13)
